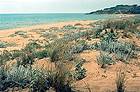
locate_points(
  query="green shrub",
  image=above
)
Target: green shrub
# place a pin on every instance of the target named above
(79, 72)
(97, 33)
(25, 59)
(69, 27)
(3, 82)
(3, 44)
(61, 78)
(59, 50)
(19, 76)
(5, 56)
(27, 77)
(41, 54)
(78, 48)
(110, 36)
(124, 51)
(105, 59)
(16, 53)
(49, 35)
(21, 33)
(31, 46)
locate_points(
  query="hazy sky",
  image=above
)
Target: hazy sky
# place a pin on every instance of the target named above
(49, 6)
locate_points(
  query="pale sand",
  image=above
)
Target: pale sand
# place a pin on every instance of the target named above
(97, 79)
(43, 26)
(31, 31)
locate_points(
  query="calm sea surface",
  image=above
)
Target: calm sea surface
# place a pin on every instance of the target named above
(8, 21)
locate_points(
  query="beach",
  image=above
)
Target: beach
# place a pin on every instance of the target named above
(32, 32)
(97, 79)
(43, 26)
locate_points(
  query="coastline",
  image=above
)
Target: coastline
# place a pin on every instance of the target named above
(56, 24)
(5, 32)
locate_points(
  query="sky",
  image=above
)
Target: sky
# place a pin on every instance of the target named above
(59, 6)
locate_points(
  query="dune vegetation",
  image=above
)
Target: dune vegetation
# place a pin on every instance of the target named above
(54, 63)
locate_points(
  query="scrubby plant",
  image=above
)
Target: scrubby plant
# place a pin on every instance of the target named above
(105, 59)
(54, 29)
(6, 44)
(3, 82)
(5, 56)
(16, 53)
(79, 72)
(109, 36)
(49, 35)
(3, 44)
(19, 76)
(41, 54)
(39, 81)
(120, 81)
(61, 78)
(22, 77)
(78, 24)
(31, 46)
(69, 27)
(25, 59)
(123, 50)
(21, 33)
(97, 33)
(59, 50)
(75, 36)
(77, 48)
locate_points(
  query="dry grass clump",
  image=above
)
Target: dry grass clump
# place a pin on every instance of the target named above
(120, 81)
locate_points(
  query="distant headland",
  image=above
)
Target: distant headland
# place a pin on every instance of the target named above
(119, 9)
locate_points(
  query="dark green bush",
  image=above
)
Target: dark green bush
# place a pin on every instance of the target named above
(41, 54)
(31, 46)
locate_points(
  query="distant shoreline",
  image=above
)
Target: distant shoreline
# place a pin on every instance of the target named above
(10, 21)
(56, 24)
(7, 32)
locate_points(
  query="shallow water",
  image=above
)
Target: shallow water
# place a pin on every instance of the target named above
(8, 21)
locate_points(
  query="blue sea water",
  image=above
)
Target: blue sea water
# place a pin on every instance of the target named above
(9, 21)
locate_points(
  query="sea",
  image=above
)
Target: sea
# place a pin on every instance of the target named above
(10, 21)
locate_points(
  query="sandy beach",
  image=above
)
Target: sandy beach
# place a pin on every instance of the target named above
(43, 26)
(69, 46)
(31, 31)
(97, 79)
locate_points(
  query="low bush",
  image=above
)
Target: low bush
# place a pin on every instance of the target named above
(124, 51)
(105, 59)
(16, 53)
(5, 56)
(31, 46)
(37, 80)
(78, 48)
(79, 72)
(41, 54)
(58, 52)
(25, 59)
(3, 44)
(21, 33)
(69, 27)
(3, 82)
